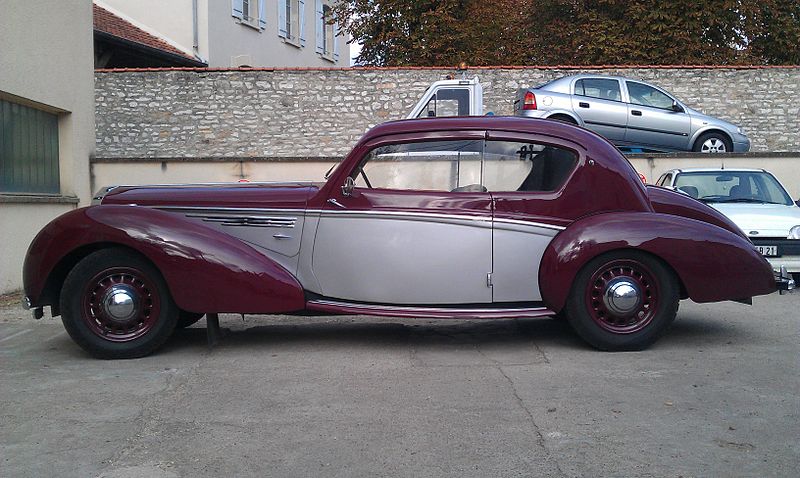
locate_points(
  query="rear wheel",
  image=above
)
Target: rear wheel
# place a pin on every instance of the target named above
(623, 300)
(563, 119)
(115, 304)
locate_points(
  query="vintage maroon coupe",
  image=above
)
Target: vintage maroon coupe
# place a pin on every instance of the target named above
(483, 217)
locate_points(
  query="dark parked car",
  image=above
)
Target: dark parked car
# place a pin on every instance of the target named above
(479, 217)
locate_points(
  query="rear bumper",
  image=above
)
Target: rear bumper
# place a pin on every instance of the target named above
(783, 281)
(791, 263)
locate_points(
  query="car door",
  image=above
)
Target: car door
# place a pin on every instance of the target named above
(415, 229)
(524, 176)
(598, 102)
(652, 121)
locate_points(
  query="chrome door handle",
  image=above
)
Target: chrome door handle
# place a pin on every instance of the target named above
(281, 236)
(337, 203)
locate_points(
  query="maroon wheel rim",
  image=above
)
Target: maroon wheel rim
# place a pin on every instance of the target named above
(618, 314)
(120, 304)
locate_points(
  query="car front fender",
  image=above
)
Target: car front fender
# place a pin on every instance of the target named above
(206, 270)
(712, 263)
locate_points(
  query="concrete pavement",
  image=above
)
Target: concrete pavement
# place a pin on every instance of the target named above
(357, 396)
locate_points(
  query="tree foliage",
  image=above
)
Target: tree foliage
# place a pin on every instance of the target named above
(575, 32)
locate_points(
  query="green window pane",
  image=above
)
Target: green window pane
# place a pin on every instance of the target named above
(28, 150)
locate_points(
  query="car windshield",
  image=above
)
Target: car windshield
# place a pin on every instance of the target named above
(758, 187)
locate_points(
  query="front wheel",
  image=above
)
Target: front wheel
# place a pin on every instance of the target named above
(115, 304)
(713, 143)
(623, 300)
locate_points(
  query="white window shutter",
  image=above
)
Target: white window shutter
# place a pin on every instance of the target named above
(262, 15)
(237, 9)
(282, 19)
(336, 42)
(301, 12)
(318, 16)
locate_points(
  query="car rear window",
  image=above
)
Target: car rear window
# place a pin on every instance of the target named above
(604, 89)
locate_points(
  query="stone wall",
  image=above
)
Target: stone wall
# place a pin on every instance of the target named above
(313, 114)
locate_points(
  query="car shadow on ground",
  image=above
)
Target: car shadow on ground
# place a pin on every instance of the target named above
(351, 332)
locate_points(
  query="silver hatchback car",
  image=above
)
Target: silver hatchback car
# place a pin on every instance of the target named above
(632, 114)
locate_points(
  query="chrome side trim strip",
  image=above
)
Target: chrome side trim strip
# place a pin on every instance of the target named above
(424, 309)
(255, 221)
(331, 212)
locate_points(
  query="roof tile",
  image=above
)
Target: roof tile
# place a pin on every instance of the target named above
(112, 24)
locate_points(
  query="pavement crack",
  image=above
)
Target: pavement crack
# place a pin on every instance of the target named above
(535, 345)
(539, 436)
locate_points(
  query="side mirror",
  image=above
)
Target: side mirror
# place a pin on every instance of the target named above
(676, 107)
(348, 186)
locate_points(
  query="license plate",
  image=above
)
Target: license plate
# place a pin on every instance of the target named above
(768, 251)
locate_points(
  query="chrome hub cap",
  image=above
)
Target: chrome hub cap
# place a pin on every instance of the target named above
(713, 145)
(119, 303)
(622, 297)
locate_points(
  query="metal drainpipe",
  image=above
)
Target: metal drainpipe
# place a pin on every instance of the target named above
(195, 42)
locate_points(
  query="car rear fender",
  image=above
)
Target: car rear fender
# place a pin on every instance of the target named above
(205, 270)
(712, 263)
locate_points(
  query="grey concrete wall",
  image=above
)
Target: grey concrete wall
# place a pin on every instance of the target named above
(321, 113)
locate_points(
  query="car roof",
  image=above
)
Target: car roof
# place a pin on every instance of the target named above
(706, 170)
(599, 75)
(584, 138)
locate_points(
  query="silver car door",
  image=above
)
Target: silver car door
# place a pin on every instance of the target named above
(652, 121)
(415, 230)
(598, 102)
(523, 177)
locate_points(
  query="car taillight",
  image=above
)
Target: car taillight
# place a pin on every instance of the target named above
(529, 103)
(644, 179)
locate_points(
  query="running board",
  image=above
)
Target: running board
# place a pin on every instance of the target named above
(349, 308)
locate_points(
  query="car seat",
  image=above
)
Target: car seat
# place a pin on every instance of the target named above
(691, 191)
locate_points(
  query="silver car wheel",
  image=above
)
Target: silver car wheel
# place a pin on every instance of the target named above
(713, 145)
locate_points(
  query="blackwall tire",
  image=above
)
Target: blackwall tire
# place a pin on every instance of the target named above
(187, 319)
(623, 300)
(116, 305)
(713, 143)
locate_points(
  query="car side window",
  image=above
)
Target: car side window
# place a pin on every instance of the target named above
(601, 88)
(453, 166)
(447, 102)
(665, 180)
(645, 95)
(523, 166)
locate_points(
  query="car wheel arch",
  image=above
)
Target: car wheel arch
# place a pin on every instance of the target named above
(565, 117)
(700, 133)
(557, 304)
(51, 293)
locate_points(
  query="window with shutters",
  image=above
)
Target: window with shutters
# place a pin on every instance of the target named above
(28, 150)
(250, 13)
(326, 31)
(291, 24)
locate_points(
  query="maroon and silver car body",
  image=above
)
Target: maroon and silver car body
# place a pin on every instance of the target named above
(343, 247)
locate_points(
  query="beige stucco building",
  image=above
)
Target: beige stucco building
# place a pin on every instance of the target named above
(234, 33)
(46, 120)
